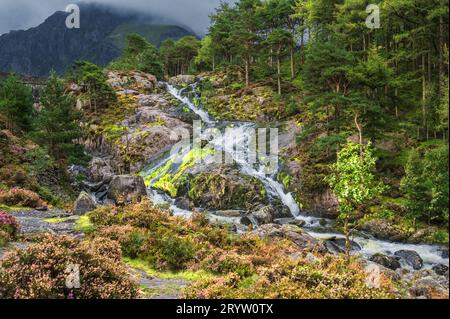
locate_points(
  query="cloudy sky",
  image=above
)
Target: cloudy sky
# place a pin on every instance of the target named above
(23, 14)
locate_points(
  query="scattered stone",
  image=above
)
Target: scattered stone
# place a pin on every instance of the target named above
(84, 204)
(411, 257)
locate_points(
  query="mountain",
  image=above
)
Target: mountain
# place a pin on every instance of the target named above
(52, 46)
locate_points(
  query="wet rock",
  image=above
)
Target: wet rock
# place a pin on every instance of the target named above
(264, 215)
(411, 257)
(444, 252)
(84, 204)
(184, 203)
(417, 292)
(386, 261)
(383, 229)
(337, 245)
(441, 270)
(246, 221)
(125, 188)
(291, 221)
(293, 233)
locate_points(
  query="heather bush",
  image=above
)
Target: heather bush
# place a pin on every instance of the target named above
(39, 271)
(8, 228)
(329, 278)
(21, 197)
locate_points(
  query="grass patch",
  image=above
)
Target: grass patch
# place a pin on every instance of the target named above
(84, 225)
(9, 209)
(56, 220)
(185, 275)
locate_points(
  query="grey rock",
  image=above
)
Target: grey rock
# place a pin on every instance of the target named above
(84, 204)
(441, 270)
(386, 261)
(411, 257)
(125, 188)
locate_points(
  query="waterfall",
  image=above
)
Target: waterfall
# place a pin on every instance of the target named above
(431, 254)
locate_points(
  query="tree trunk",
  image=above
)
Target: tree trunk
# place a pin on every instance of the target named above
(247, 78)
(279, 72)
(292, 63)
(358, 126)
(347, 234)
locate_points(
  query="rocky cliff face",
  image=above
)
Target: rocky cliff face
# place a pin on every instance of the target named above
(52, 46)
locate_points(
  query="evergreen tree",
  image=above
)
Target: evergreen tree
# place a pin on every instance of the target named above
(57, 123)
(16, 104)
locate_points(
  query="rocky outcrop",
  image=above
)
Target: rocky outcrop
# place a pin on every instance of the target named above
(130, 83)
(182, 80)
(411, 257)
(125, 188)
(84, 204)
(293, 233)
(225, 188)
(386, 261)
(100, 170)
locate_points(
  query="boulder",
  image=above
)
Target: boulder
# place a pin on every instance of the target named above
(84, 204)
(444, 252)
(386, 261)
(293, 233)
(99, 170)
(264, 215)
(411, 257)
(337, 245)
(125, 188)
(184, 203)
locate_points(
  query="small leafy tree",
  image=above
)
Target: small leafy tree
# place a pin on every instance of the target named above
(354, 183)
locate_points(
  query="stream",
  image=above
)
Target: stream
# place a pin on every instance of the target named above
(317, 227)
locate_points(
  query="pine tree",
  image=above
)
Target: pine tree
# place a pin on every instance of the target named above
(57, 123)
(16, 104)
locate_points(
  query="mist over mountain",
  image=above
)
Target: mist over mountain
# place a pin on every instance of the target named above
(52, 46)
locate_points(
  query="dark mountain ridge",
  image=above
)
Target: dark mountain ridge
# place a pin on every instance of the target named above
(52, 46)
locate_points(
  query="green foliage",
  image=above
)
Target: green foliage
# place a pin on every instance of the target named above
(139, 55)
(16, 104)
(93, 84)
(57, 123)
(426, 184)
(179, 56)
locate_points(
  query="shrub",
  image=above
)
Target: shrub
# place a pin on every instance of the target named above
(21, 197)
(329, 278)
(39, 271)
(8, 224)
(105, 216)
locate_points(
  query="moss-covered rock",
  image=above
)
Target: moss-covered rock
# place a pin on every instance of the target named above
(225, 188)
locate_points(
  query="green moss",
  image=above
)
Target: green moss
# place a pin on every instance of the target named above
(170, 182)
(84, 225)
(56, 220)
(9, 209)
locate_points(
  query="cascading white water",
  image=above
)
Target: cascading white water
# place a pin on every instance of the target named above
(241, 133)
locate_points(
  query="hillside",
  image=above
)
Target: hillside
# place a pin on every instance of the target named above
(52, 46)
